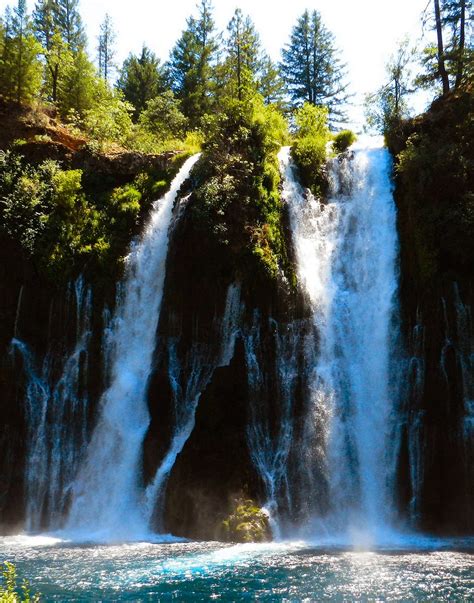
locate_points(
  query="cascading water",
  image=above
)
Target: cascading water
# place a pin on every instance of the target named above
(56, 416)
(107, 497)
(346, 254)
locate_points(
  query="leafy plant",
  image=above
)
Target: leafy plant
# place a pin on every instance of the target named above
(11, 591)
(343, 140)
(309, 148)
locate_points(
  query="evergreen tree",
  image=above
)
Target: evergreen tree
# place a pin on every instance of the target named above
(20, 68)
(388, 106)
(450, 62)
(106, 48)
(47, 31)
(70, 25)
(455, 19)
(78, 89)
(141, 79)
(272, 86)
(191, 64)
(311, 68)
(244, 61)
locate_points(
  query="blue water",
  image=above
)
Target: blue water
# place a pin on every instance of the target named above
(436, 571)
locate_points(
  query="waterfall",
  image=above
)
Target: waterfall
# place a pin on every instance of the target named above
(56, 416)
(107, 491)
(346, 252)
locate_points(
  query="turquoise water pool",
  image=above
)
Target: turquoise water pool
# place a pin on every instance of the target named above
(293, 571)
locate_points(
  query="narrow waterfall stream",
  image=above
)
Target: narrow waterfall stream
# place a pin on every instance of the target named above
(107, 495)
(346, 254)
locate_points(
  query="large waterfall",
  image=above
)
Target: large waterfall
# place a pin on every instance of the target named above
(347, 262)
(108, 494)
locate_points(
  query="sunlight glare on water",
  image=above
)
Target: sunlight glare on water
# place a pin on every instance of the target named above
(291, 571)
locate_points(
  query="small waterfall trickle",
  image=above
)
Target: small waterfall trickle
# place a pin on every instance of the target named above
(415, 419)
(346, 254)
(56, 416)
(272, 387)
(188, 380)
(107, 491)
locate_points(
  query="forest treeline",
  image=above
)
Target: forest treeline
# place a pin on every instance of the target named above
(147, 104)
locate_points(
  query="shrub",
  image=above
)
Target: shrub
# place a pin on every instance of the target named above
(309, 148)
(162, 117)
(246, 523)
(10, 589)
(343, 140)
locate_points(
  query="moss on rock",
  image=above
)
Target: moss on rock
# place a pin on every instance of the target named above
(246, 523)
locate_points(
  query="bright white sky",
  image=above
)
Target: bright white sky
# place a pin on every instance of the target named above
(366, 31)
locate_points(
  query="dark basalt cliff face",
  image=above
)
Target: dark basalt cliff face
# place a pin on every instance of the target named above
(434, 158)
(215, 469)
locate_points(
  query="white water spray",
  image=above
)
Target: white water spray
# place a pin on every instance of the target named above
(107, 498)
(346, 254)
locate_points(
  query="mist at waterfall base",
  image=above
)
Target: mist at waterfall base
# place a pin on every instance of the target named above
(348, 544)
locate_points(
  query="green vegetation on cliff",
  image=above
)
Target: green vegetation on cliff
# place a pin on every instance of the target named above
(67, 227)
(434, 155)
(237, 196)
(309, 148)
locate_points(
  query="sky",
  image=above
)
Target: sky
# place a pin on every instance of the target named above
(366, 31)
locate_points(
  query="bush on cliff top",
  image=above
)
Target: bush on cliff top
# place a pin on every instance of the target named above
(309, 147)
(237, 197)
(343, 140)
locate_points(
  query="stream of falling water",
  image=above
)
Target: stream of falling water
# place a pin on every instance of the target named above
(107, 494)
(347, 261)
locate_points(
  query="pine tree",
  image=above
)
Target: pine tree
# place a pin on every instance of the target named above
(443, 74)
(244, 61)
(388, 106)
(77, 92)
(20, 68)
(455, 20)
(191, 64)
(141, 79)
(311, 67)
(272, 86)
(106, 48)
(70, 25)
(45, 20)
(450, 61)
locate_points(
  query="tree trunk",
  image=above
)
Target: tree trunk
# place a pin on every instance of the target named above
(462, 42)
(441, 64)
